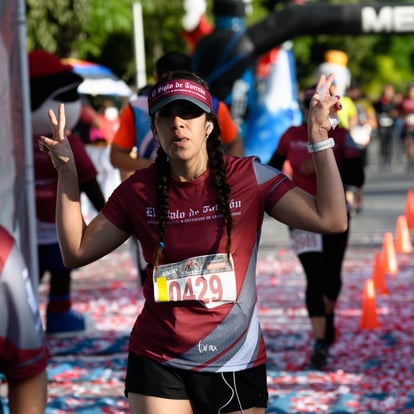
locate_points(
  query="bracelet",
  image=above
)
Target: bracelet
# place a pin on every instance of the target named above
(321, 146)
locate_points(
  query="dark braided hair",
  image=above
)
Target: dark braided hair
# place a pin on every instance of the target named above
(219, 180)
(163, 179)
(218, 176)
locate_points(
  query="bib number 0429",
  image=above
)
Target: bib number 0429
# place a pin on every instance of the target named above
(207, 279)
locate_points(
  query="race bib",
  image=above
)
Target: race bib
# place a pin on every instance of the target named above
(306, 241)
(208, 279)
(409, 119)
(385, 120)
(361, 134)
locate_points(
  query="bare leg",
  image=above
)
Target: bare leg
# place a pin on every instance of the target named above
(350, 198)
(318, 326)
(28, 396)
(358, 199)
(142, 404)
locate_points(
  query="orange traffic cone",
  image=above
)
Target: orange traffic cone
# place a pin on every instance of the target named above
(378, 275)
(389, 257)
(402, 236)
(409, 209)
(369, 318)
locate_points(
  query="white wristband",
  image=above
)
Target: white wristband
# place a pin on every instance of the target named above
(321, 146)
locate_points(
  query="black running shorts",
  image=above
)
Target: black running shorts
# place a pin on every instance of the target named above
(208, 392)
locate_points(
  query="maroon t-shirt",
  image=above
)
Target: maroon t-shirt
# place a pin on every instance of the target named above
(185, 333)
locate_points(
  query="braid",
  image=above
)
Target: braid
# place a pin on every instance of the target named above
(218, 178)
(163, 170)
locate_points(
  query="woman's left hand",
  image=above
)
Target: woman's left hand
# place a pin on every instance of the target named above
(322, 109)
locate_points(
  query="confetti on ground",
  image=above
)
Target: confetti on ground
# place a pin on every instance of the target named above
(369, 371)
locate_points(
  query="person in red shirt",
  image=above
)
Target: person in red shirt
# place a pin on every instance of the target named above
(23, 351)
(386, 109)
(321, 255)
(197, 345)
(134, 146)
(406, 112)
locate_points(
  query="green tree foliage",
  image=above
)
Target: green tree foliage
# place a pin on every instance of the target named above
(56, 25)
(102, 31)
(81, 28)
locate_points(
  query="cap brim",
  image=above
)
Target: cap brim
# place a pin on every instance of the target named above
(164, 102)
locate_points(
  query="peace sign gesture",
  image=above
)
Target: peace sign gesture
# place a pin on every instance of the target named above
(57, 146)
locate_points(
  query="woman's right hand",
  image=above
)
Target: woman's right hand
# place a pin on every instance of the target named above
(57, 146)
